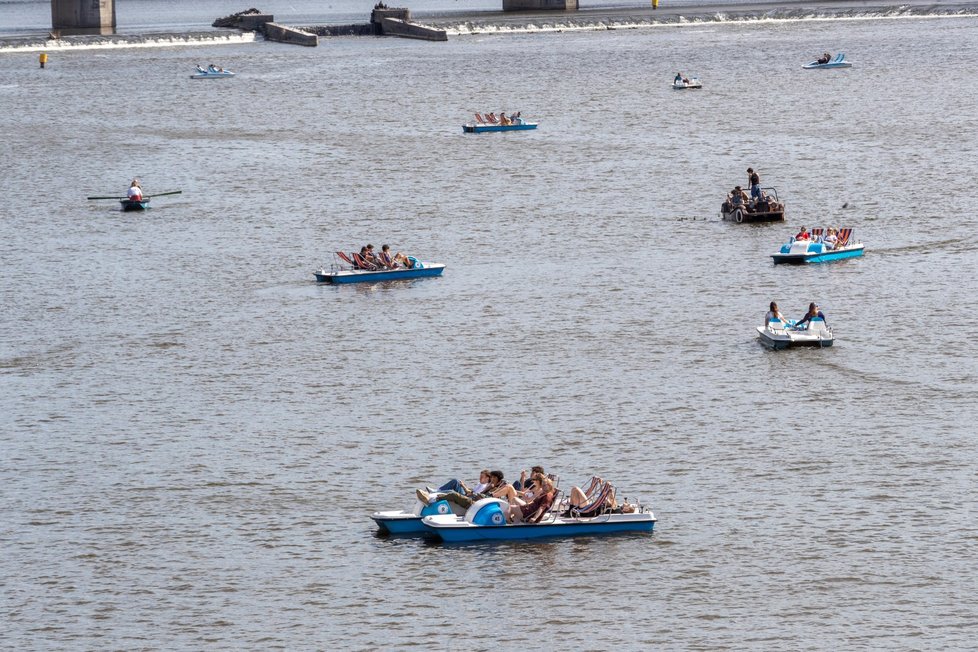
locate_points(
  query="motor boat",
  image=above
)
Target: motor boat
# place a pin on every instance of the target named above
(838, 61)
(486, 520)
(780, 335)
(769, 208)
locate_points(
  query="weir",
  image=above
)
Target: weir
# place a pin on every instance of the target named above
(82, 17)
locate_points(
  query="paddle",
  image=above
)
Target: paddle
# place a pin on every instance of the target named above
(112, 197)
(160, 194)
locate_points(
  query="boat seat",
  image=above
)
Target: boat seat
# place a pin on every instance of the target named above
(843, 235)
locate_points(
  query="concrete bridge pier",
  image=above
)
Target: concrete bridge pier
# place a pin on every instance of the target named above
(83, 17)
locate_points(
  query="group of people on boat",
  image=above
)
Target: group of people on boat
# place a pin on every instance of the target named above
(211, 68)
(503, 119)
(369, 260)
(830, 240)
(814, 312)
(680, 79)
(757, 201)
(529, 498)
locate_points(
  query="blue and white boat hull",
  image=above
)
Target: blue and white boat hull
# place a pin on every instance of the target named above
(403, 522)
(777, 335)
(802, 252)
(478, 129)
(367, 276)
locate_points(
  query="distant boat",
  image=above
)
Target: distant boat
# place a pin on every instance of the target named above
(767, 209)
(779, 335)
(356, 270)
(680, 85)
(478, 129)
(211, 73)
(839, 61)
(134, 204)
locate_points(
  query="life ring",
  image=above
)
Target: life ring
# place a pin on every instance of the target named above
(738, 216)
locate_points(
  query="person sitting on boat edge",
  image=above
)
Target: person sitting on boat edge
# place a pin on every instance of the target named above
(814, 312)
(774, 314)
(803, 234)
(135, 191)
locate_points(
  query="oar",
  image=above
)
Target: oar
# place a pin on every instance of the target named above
(112, 197)
(160, 194)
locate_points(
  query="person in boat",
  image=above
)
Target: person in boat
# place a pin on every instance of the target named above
(493, 490)
(579, 498)
(831, 239)
(385, 258)
(754, 183)
(814, 311)
(524, 483)
(825, 58)
(803, 234)
(135, 192)
(458, 486)
(534, 510)
(679, 78)
(199, 69)
(774, 315)
(738, 198)
(409, 262)
(503, 120)
(518, 118)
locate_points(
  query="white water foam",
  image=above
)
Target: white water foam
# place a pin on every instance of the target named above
(119, 42)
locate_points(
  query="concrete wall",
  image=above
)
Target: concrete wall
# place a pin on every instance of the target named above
(83, 16)
(397, 27)
(527, 5)
(284, 34)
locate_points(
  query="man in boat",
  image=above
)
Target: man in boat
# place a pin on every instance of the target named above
(754, 183)
(135, 192)
(825, 58)
(503, 120)
(518, 118)
(738, 198)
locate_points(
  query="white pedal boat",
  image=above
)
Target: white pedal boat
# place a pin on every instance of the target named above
(681, 85)
(778, 335)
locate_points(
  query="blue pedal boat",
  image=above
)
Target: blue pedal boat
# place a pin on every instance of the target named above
(135, 204)
(211, 73)
(799, 252)
(485, 520)
(839, 61)
(371, 276)
(409, 522)
(478, 129)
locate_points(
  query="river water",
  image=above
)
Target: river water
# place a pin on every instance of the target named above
(193, 433)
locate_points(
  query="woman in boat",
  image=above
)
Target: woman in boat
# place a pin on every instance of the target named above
(135, 192)
(503, 120)
(535, 509)
(774, 314)
(803, 234)
(830, 239)
(813, 313)
(825, 58)
(385, 257)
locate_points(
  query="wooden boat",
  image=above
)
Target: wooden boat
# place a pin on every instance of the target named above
(135, 204)
(768, 209)
(478, 129)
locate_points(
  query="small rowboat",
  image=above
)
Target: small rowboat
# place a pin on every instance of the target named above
(478, 129)
(211, 74)
(838, 62)
(135, 204)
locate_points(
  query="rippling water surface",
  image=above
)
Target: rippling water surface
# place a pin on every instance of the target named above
(194, 432)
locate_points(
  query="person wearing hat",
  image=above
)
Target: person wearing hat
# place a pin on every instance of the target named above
(754, 182)
(135, 191)
(814, 312)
